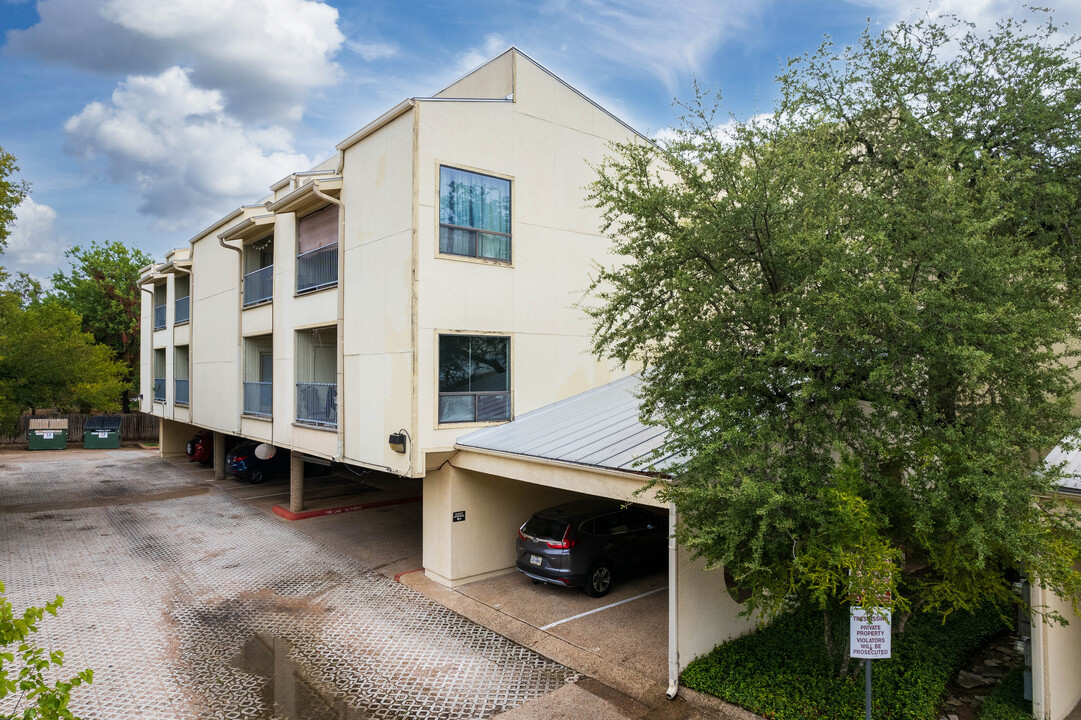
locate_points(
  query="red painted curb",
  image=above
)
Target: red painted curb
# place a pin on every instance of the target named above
(398, 577)
(289, 515)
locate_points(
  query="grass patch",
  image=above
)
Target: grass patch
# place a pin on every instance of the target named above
(1007, 701)
(782, 671)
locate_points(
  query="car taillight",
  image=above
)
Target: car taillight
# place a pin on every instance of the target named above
(521, 535)
(239, 458)
(564, 544)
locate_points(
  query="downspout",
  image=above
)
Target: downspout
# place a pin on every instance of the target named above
(239, 326)
(340, 370)
(673, 606)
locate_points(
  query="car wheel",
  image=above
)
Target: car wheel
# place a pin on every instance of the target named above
(256, 476)
(599, 580)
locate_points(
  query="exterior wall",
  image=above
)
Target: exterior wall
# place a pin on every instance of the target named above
(215, 335)
(544, 143)
(377, 193)
(1056, 655)
(482, 545)
(173, 437)
(706, 615)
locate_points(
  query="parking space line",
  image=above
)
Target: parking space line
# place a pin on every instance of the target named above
(597, 610)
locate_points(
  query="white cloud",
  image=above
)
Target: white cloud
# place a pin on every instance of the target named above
(474, 57)
(370, 51)
(33, 245)
(666, 39)
(264, 55)
(188, 158)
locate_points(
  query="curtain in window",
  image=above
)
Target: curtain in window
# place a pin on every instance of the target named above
(479, 202)
(317, 230)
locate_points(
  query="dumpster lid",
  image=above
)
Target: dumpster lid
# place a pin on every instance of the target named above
(48, 424)
(103, 422)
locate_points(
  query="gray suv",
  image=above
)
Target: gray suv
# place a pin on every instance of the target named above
(586, 542)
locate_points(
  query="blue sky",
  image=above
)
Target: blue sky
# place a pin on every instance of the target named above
(146, 120)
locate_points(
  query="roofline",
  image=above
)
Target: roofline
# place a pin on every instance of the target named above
(376, 124)
(228, 218)
(602, 469)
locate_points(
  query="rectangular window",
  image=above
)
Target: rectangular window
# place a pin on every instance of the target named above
(159, 375)
(259, 375)
(317, 250)
(474, 215)
(474, 378)
(181, 391)
(182, 304)
(259, 271)
(317, 376)
(159, 306)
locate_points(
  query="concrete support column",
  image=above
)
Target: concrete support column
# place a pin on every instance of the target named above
(296, 483)
(219, 456)
(173, 437)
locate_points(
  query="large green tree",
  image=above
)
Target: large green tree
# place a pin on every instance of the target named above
(858, 317)
(12, 193)
(102, 287)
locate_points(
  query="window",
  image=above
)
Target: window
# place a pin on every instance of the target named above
(159, 375)
(474, 378)
(317, 250)
(259, 375)
(259, 271)
(159, 306)
(182, 304)
(181, 394)
(317, 376)
(474, 215)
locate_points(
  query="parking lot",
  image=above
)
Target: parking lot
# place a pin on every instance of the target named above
(190, 599)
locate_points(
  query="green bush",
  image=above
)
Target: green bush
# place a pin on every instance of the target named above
(1007, 701)
(26, 680)
(782, 671)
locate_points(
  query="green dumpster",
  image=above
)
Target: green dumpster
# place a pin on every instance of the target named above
(102, 432)
(48, 434)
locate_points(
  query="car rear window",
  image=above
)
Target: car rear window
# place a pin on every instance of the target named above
(545, 528)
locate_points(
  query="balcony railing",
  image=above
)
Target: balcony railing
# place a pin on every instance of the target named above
(182, 312)
(159, 389)
(159, 317)
(259, 285)
(258, 397)
(317, 404)
(181, 397)
(317, 268)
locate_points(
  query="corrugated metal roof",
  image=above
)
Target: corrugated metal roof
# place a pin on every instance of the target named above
(1071, 471)
(597, 428)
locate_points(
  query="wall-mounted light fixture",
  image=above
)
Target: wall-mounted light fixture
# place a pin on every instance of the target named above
(397, 441)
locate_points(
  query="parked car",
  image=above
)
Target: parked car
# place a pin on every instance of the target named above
(243, 462)
(200, 448)
(588, 543)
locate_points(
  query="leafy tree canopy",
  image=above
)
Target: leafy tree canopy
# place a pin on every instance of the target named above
(102, 287)
(12, 193)
(46, 360)
(858, 317)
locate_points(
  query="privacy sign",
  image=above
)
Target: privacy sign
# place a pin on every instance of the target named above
(869, 636)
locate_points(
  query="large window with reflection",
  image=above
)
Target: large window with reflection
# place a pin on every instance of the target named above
(474, 215)
(474, 378)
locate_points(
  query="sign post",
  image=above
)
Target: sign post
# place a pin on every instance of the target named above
(868, 638)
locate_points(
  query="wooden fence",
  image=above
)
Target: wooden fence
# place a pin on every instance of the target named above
(133, 426)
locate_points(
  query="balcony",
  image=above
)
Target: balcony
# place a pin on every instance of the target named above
(159, 317)
(259, 285)
(182, 311)
(317, 404)
(181, 397)
(159, 389)
(317, 269)
(258, 397)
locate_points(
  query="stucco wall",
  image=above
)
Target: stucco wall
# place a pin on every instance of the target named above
(707, 614)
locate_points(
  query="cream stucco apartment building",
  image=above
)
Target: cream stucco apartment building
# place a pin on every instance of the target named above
(418, 287)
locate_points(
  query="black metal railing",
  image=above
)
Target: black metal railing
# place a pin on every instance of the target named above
(317, 404)
(181, 397)
(317, 268)
(159, 317)
(182, 312)
(259, 285)
(258, 397)
(159, 389)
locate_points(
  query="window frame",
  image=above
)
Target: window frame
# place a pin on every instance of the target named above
(297, 254)
(440, 423)
(439, 224)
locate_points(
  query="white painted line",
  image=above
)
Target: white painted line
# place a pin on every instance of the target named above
(597, 610)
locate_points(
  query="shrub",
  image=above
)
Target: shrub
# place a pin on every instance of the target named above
(782, 671)
(1007, 700)
(27, 677)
